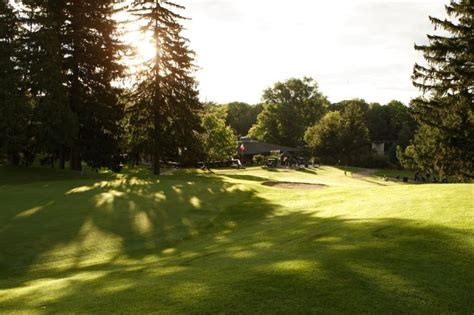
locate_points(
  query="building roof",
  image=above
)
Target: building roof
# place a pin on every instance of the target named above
(253, 147)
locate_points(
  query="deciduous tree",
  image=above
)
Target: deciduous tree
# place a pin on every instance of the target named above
(340, 137)
(242, 116)
(290, 107)
(218, 140)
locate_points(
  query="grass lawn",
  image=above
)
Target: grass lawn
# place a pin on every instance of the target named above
(394, 173)
(190, 242)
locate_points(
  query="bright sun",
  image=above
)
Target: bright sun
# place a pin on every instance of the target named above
(141, 43)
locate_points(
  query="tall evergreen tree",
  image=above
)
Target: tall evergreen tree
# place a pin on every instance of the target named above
(91, 51)
(54, 125)
(71, 52)
(165, 109)
(14, 112)
(447, 84)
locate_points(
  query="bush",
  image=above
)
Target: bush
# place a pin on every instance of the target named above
(260, 159)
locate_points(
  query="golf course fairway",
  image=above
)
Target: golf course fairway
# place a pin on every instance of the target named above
(196, 242)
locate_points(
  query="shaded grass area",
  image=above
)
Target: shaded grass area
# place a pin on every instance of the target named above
(64, 222)
(198, 243)
(24, 175)
(351, 169)
(394, 173)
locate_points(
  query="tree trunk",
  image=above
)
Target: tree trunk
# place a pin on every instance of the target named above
(156, 104)
(62, 158)
(76, 164)
(156, 149)
(156, 163)
(137, 159)
(74, 93)
(15, 159)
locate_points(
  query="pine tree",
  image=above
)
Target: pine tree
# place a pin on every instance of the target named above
(14, 112)
(71, 52)
(91, 51)
(165, 109)
(447, 104)
(54, 125)
(184, 122)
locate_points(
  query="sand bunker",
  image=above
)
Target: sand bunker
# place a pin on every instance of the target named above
(294, 185)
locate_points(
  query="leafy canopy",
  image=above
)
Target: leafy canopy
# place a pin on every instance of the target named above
(290, 107)
(218, 140)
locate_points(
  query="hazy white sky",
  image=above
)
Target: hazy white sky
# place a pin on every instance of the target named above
(353, 48)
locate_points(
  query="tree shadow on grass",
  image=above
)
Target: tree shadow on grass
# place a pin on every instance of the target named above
(293, 263)
(63, 223)
(247, 177)
(10, 175)
(199, 244)
(350, 169)
(307, 171)
(272, 169)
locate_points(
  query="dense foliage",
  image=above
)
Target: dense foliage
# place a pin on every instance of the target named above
(164, 111)
(242, 116)
(390, 124)
(340, 137)
(60, 62)
(60, 59)
(290, 107)
(14, 110)
(218, 140)
(445, 142)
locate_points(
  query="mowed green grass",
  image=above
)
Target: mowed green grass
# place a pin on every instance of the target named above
(191, 242)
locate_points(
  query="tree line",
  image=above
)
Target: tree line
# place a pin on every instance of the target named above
(59, 100)
(434, 133)
(295, 113)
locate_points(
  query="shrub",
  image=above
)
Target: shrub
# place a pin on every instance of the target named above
(260, 159)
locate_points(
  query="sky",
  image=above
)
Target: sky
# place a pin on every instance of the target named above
(353, 48)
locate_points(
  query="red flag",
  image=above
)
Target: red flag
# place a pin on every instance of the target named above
(242, 147)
